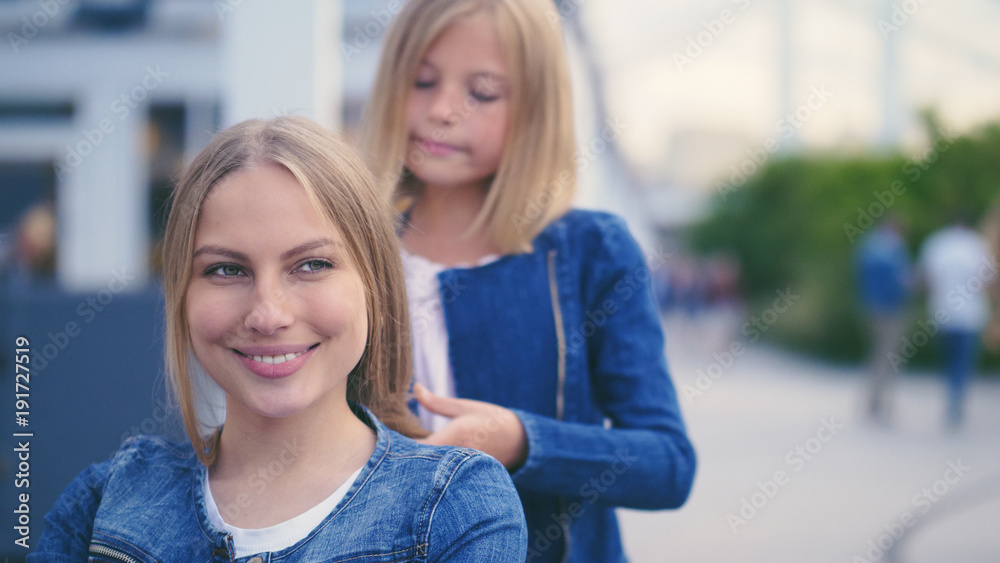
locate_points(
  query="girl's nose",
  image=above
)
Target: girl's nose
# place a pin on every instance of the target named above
(445, 106)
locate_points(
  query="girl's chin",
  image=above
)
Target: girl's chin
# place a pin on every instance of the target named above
(442, 182)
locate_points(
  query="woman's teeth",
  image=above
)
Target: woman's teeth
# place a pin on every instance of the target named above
(276, 359)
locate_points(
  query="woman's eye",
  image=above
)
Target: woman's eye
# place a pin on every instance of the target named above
(315, 265)
(224, 270)
(423, 84)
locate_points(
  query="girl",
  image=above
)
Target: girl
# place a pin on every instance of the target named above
(535, 332)
(283, 280)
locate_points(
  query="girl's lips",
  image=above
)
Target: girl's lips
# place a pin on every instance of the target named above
(276, 364)
(434, 148)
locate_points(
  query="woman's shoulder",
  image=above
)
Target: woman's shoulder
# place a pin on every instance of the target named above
(141, 462)
(425, 457)
(457, 501)
(399, 449)
(442, 467)
(440, 476)
(154, 451)
(409, 470)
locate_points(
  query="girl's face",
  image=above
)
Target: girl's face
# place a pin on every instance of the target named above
(458, 109)
(275, 306)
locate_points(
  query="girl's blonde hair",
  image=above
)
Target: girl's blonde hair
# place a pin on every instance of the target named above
(343, 191)
(536, 178)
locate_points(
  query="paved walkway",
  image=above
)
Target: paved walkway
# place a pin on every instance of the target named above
(789, 470)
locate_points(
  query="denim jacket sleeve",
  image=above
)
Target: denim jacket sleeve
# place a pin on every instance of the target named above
(479, 495)
(68, 526)
(644, 460)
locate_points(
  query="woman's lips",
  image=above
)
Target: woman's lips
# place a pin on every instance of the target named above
(274, 363)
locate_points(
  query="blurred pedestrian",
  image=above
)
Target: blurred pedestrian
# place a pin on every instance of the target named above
(32, 253)
(991, 230)
(884, 273)
(958, 269)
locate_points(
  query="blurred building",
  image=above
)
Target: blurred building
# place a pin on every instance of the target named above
(103, 101)
(99, 103)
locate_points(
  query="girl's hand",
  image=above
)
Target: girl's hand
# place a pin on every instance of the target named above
(486, 427)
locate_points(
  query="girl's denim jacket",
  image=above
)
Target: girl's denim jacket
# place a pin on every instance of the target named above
(569, 337)
(409, 503)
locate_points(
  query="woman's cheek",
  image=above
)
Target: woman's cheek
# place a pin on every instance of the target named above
(210, 314)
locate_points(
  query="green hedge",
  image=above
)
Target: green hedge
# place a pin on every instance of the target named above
(795, 225)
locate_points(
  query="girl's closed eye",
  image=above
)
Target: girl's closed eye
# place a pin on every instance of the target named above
(426, 78)
(486, 88)
(485, 95)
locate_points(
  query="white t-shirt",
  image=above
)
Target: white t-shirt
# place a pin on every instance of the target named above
(431, 366)
(959, 271)
(280, 536)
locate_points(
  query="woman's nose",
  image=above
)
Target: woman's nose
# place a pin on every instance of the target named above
(269, 312)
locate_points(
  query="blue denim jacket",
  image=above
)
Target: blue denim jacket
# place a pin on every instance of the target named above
(569, 337)
(409, 503)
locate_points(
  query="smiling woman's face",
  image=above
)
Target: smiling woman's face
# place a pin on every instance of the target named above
(275, 306)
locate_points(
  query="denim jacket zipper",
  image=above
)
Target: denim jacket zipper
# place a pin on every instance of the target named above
(115, 554)
(560, 336)
(561, 375)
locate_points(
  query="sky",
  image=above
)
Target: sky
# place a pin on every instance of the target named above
(699, 84)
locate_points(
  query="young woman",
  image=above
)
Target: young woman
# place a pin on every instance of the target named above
(283, 282)
(536, 336)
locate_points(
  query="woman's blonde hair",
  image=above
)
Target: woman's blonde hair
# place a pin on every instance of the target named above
(343, 191)
(536, 178)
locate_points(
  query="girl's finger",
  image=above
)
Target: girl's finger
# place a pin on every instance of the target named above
(444, 406)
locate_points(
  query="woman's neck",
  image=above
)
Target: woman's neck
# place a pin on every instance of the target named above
(285, 465)
(439, 223)
(324, 433)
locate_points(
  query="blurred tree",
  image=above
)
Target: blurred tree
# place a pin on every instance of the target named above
(795, 224)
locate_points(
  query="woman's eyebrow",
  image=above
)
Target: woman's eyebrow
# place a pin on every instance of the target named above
(304, 247)
(221, 251)
(311, 245)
